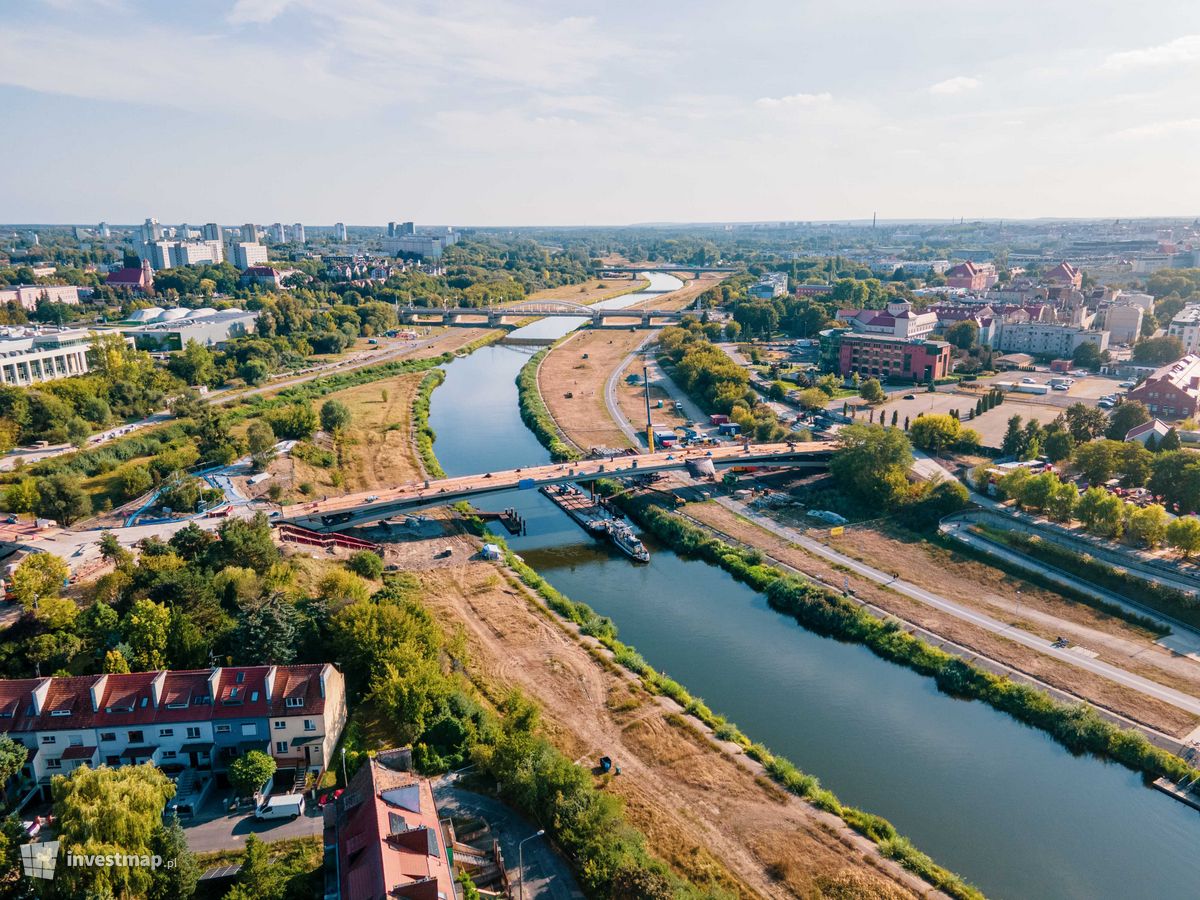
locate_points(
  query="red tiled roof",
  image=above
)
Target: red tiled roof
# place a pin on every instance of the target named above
(125, 277)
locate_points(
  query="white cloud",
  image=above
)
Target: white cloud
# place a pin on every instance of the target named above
(794, 101)
(256, 12)
(1164, 128)
(957, 85)
(1184, 49)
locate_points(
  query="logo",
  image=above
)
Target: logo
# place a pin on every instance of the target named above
(38, 859)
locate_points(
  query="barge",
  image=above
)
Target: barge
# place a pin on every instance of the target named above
(594, 517)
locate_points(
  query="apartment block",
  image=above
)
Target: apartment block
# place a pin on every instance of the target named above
(29, 295)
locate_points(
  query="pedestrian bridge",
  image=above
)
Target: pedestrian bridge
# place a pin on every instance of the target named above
(350, 510)
(512, 316)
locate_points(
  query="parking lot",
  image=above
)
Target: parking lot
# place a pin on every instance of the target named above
(215, 828)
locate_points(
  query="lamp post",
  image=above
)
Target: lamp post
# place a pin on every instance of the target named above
(345, 780)
(521, 861)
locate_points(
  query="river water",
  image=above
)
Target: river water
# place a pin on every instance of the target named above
(994, 800)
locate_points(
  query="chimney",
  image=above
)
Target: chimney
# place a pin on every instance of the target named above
(98, 687)
(156, 688)
(39, 696)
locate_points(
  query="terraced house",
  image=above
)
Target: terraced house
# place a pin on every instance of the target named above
(201, 719)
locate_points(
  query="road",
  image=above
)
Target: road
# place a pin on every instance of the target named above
(546, 874)
(1144, 686)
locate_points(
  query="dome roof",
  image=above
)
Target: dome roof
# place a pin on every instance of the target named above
(202, 312)
(149, 314)
(172, 315)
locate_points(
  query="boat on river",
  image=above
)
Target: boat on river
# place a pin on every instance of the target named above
(623, 537)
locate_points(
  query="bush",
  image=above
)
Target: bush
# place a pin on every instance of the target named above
(366, 564)
(534, 413)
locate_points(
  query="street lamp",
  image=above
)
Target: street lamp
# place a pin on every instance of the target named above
(345, 780)
(521, 861)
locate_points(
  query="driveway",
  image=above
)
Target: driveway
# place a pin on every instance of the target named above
(547, 874)
(212, 828)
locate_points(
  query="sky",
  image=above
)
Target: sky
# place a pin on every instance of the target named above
(533, 112)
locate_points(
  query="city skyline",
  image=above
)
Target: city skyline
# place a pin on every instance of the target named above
(531, 113)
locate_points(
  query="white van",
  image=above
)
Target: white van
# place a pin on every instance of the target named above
(283, 806)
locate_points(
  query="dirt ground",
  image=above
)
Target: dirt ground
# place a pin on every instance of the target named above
(1111, 638)
(709, 817)
(592, 290)
(584, 417)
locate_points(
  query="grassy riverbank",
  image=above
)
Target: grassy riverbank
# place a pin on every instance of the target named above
(425, 435)
(534, 413)
(1077, 727)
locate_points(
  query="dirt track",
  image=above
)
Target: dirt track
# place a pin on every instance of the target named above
(701, 811)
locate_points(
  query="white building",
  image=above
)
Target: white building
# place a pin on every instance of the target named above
(1123, 323)
(169, 254)
(771, 284)
(427, 246)
(28, 356)
(339, 231)
(151, 231)
(213, 232)
(247, 255)
(103, 230)
(298, 233)
(1046, 338)
(278, 233)
(1186, 327)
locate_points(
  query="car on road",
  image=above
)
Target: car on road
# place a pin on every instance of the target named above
(1060, 387)
(1028, 380)
(372, 498)
(1127, 384)
(909, 397)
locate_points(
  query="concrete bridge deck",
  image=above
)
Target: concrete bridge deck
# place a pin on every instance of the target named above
(512, 316)
(350, 510)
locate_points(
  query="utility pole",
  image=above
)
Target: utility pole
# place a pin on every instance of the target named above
(646, 391)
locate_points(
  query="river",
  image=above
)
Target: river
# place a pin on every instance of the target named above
(998, 802)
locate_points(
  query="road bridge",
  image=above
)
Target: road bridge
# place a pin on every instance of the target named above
(512, 316)
(670, 268)
(351, 510)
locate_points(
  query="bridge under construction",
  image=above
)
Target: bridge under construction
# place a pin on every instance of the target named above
(351, 510)
(514, 315)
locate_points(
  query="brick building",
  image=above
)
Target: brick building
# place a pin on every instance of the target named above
(885, 357)
(1172, 392)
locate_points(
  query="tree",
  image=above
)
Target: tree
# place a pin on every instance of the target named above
(254, 372)
(1170, 440)
(249, 772)
(78, 431)
(261, 442)
(340, 587)
(1147, 526)
(194, 365)
(1101, 512)
(335, 417)
(177, 881)
(935, 432)
(247, 543)
(1175, 477)
(145, 629)
(1014, 440)
(107, 810)
(135, 481)
(366, 564)
(12, 758)
(732, 330)
(1060, 504)
(1096, 461)
(1157, 351)
(1085, 422)
(37, 578)
(812, 398)
(116, 663)
(1057, 444)
(964, 335)
(1087, 356)
(21, 496)
(258, 879)
(266, 632)
(1124, 417)
(295, 422)
(871, 462)
(1133, 462)
(62, 498)
(1183, 533)
(872, 391)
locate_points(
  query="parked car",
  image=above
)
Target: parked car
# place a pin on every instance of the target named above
(910, 397)
(1127, 384)
(1028, 380)
(283, 806)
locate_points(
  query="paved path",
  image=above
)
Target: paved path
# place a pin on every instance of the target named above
(1145, 686)
(546, 874)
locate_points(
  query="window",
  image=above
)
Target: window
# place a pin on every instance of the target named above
(49, 739)
(193, 732)
(254, 696)
(108, 735)
(60, 712)
(310, 725)
(76, 740)
(168, 754)
(249, 729)
(281, 746)
(222, 729)
(294, 702)
(112, 761)
(280, 724)
(54, 764)
(135, 737)
(166, 732)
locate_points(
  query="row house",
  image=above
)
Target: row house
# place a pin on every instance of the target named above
(201, 719)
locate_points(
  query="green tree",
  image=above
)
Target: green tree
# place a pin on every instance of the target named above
(1057, 444)
(1157, 351)
(194, 365)
(1060, 504)
(1101, 512)
(1147, 526)
(1183, 533)
(935, 432)
(872, 391)
(135, 481)
(1170, 440)
(145, 630)
(249, 772)
(38, 577)
(12, 758)
(1088, 356)
(295, 422)
(366, 564)
(116, 663)
(871, 462)
(78, 431)
(1014, 438)
(1085, 422)
(1126, 416)
(247, 543)
(261, 441)
(335, 417)
(1175, 477)
(964, 335)
(177, 881)
(61, 497)
(258, 879)
(811, 399)
(103, 811)
(266, 632)
(21, 496)
(1096, 461)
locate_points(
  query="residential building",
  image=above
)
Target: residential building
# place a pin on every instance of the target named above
(103, 230)
(426, 246)
(1142, 433)
(169, 254)
(29, 295)
(1186, 327)
(246, 255)
(200, 719)
(339, 231)
(1046, 338)
(134, 280)
(1123, 323)
(213, 232)
(971, 276)
(1173, 391)
(151, 231)
(29, 356)
(391, 229)
(898, 319)
(170, 329)
(813, 290)
(406, 228)
(1134, 298)
(893, 358)
(388, 840)
(268, 276)
(1065, 274)
(298, 233)
(278, 233)
(249, 233)
(771, 284)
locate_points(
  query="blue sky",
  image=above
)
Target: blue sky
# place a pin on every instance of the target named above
(537, 112)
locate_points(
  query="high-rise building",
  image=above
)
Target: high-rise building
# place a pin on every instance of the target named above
(391, 229)
(103, 230)
(278, 234)
(212, 232)
(339, 231)
(406, 228)
(298, 233)
(246, 255)
(249, 233)
(152, 231)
